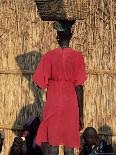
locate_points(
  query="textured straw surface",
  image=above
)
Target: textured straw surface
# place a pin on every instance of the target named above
(24, 37)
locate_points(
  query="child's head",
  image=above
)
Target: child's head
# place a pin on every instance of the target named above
(90, 136)
(18, 147)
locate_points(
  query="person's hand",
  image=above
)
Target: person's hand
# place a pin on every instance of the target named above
(81, 123)
(44, 95)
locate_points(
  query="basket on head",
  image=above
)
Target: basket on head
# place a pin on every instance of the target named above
(52, 10)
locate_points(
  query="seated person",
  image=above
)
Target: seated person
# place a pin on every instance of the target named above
(29, 132)
(93, 145)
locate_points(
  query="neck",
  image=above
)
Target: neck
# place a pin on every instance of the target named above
(64, 44)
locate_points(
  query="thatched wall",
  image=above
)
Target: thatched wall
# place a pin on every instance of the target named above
(24, 37)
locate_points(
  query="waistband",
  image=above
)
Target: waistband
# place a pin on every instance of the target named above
(58, 80)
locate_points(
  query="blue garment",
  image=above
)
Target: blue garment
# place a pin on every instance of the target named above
(102, 148)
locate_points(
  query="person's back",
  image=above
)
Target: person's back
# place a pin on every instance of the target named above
(64, 63)
(62, 72)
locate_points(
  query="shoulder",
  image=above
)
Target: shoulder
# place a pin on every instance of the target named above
(107, 147)
(83, 151)
(78, 55)
(49, 53)
(48, 56)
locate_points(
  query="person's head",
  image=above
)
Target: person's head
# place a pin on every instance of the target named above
(18, 147)
(63, 36)
(64, 31)
(90, 136)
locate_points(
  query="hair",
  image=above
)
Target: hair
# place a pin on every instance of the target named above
(89, 129)
(64, 35)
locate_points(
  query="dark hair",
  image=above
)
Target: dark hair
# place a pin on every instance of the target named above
(89, 129)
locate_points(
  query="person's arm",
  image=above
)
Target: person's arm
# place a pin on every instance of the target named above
(43, 92)
(79, 92)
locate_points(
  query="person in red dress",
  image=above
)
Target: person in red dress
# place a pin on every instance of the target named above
(62, 72)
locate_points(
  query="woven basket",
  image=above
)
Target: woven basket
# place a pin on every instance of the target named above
(63, 9)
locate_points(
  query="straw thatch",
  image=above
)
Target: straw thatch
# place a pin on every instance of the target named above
(24, 37)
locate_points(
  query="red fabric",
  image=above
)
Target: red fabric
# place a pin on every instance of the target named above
(60, 71)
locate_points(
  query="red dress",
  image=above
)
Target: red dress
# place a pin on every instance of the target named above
(60, 70)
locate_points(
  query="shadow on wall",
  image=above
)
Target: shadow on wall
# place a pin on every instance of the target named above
(27, 63)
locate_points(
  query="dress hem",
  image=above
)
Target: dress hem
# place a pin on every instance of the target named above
(62, 144)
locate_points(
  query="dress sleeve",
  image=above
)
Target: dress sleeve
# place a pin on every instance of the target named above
(80, 76)
(42, 73)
